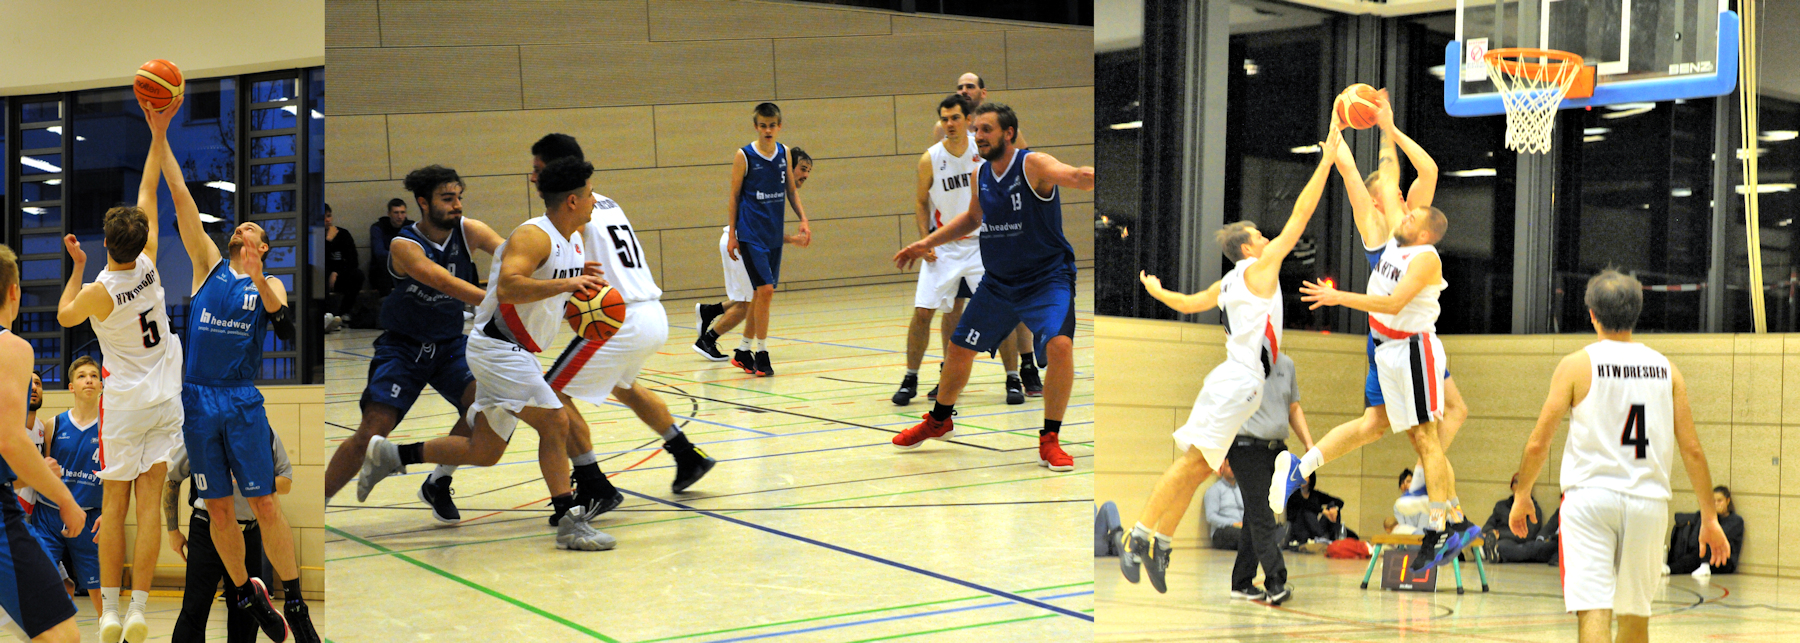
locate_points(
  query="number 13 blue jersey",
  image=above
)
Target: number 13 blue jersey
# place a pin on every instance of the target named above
(1022, 238)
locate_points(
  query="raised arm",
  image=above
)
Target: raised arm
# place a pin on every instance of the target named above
(201, 250)
(1424, 187)
(1046, 172)
(80, 302)
(1712, 537)
(1570, 373)
(1262, 275)
(1370, 221)
(1196, 303)
(159, 146)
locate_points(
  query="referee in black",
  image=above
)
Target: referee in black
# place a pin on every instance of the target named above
(1252, 456)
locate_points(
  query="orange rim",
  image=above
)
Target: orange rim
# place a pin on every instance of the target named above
(1564, 62)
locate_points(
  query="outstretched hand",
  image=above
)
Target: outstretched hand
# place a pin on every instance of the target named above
(1320, 293)
(1384, 110)
(1152, 283)
(73, 245)
(159, 121)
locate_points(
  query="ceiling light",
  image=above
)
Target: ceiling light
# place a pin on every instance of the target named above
(1681, 192)
(1130, 125)
(222, 185)
(1480, 171)
(1595, 131)
(1766, 188)
(1776, 136)
(1308, 149)
(38, 164)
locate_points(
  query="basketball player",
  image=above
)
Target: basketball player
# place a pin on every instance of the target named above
(34, 428)
(226, 431)
(1409, 360)
(434, 275)
(125, 306)
(951, 272)
(74, 443)
(1030, 275)
(530, 279)
(592, 370)
(33, 605)
(972, 87)
(1615, 484)
(1250, 297)
(717, 319)
(761, 189)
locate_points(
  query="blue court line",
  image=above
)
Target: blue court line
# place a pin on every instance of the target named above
(872, 558)
(885, 619)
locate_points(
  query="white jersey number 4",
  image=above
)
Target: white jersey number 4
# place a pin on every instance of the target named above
(1633, 435)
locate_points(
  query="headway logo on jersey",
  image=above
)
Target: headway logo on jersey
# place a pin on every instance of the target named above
(224, 325)
(124, 297)
(766, 197)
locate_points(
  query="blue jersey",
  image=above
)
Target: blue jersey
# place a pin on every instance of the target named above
(6, 472)
(418, 311)
(225, 328)
(1021, 236)
(762, 201)
(77, 450)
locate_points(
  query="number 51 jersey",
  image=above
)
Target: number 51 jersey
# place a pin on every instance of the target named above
(611, 242)
(1622, 435)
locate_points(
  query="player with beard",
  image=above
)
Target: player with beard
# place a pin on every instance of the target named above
(434, 276)
(1030, 275)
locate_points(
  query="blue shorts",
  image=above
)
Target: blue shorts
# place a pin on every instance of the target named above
(763, 265)
(227, 436)
(1046, 307)
(1372, 385)
(403, 366)
(31, 590)
(79, 555)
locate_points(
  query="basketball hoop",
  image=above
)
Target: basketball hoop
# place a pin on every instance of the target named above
(1532, 83)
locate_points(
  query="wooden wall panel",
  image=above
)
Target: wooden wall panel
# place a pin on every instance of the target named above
(352, 23)
(716, 20)
(928, 24)
(883, 65)
(359, 148)
(671, 197)
(706, 133)
(859, 187)
(418, 79)
(490, 143)
(861, 247)
(1049, 58)
(696, 265)
(646, 73)
(427, 23)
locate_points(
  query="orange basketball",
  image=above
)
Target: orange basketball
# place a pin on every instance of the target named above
(595, 315)
(1356, 106)
(158, 82)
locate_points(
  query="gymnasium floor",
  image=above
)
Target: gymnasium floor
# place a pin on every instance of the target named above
(1525, 606)
(812, 527)
(160, 613)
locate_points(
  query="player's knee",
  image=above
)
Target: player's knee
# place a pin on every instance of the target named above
(923, 315)
(264, 505)
(1060, 345)
(65, 632)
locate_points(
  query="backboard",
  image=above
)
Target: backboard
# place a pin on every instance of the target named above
(1642, 50)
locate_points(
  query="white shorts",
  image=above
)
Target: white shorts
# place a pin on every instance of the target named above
(133, 441)
(958, 264)
(737, 279)
(507, 380)
(1612, 550)
(1229, 397)
(1411, 372)
(591, 370)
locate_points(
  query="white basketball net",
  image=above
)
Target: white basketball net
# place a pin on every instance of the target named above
(1532, 88)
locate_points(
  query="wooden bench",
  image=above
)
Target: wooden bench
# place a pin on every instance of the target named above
(1380, 541)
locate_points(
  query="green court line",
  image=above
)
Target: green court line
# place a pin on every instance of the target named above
(859, 613)
(383, 551)
(478, 587)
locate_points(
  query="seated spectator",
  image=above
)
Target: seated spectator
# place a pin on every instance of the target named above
(1411, 512)
(1313, 518)
(1225, 510)
(1684, 555)
(1499, 545)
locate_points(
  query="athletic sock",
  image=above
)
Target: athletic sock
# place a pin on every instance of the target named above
(1140, 531)
(1012, 375)
(291, 588)
(1164, 542)
(1439, 511)
(139, 598)
(109, 599)
(412, 453)
(710, 335)
(670, 433)
(1418, 479)
(1311, 461)
(941, 412)
(1455, 515)
(442, 471)
(1050, 426)
(585, 458)
(912, 372)
(761, 345)
(744, 344)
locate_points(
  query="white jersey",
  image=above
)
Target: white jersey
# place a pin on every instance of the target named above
(1622, 435)
(1420, 315)
(531, 325)
(1252, 323)
(611, 242)
(950, 176)
(143, 355)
